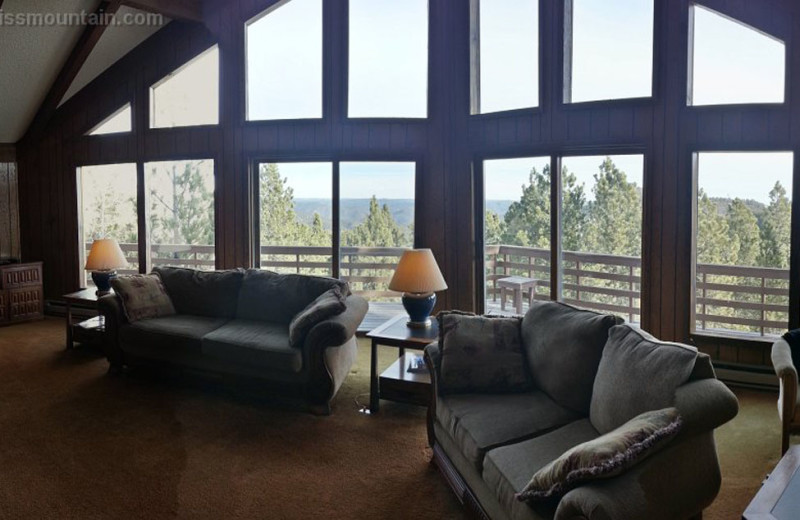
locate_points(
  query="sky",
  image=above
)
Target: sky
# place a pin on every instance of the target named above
(357, 180)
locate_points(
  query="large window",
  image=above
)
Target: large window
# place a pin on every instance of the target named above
(284, 61)
(295, 217)
(107, 209)
(388, 63)
(601, 232)
(608, 50)
(376, 211)
(516, 227)
(189, 96)
(180, 222)
(508, 62)
(742, 242)
(732, 62)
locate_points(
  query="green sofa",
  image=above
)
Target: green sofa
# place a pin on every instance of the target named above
(235, 324)
(488, 445)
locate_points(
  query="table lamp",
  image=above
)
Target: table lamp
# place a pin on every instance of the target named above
(104, 257)
(418, 277)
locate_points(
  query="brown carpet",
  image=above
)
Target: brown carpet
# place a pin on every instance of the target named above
(77, 443)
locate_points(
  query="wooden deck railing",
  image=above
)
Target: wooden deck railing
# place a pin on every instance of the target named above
(749, 300)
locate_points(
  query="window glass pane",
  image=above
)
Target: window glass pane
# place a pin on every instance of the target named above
(189, 96)
(601, 235)
(509, 80)
(181, 213)
(516, 231)
(388, 66)
(118, 122)
(107, 209)
(734, 63)
(295, 206)
(612, 50)
(284, 62)
(377, 221)
(743, 221)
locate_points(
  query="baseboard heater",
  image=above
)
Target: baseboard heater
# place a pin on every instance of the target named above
(757, 377)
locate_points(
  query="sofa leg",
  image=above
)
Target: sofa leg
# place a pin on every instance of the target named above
(320, 409)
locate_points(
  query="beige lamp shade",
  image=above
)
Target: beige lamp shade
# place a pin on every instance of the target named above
(417, 272)
(105, 255)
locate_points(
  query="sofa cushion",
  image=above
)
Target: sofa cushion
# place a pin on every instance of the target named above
(507, 469)
(563, 346)
(180, 333)
(202, 293)
(142, 296)
(481, 354)
(277, 298)
(606, 456)
(328, 304)
(480, 422)
(637, 373)
(254, 343)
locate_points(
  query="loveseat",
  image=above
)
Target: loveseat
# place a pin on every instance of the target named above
(236, 324)
(584, 375)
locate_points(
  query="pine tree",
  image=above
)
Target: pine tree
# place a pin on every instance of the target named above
(776, 229)
(493, 228)
(615, 217)
(527, 221)
(378, 229)
(713, 239)
(573, 214)
(743, 229)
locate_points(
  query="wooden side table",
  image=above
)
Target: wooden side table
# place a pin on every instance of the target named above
(396, 383)
(84, 331)
(517, 285)
(779, 496)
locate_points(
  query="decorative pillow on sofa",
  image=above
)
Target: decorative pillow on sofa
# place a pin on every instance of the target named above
(481, 353)
(143, 296)
(328, 304)
(202, 293)
(563, 345)
(606, 456)
(637, 373)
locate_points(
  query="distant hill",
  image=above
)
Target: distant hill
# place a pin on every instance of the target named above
(722, 205)
(352, 211)
(498, 206)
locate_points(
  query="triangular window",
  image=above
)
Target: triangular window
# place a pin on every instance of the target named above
(189, 96)
(733, 63)
(119, 122)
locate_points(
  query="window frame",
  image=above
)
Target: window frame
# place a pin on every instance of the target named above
(335, 160)
(716, 338)
(564, 57)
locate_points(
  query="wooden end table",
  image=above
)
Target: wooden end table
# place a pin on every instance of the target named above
(517, 285)
(779, 496)
(396, 383)
(84, 331)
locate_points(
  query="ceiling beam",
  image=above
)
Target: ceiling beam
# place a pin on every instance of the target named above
(190, 10)
(91, 35)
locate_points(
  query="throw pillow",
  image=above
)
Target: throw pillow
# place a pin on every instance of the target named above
(481, 353)
(328, 304)
(606, 456)
(637, 373)
(563, 345)
(143, 296)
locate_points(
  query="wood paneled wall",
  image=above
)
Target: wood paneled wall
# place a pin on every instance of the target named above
(9, 206)
(447, 144)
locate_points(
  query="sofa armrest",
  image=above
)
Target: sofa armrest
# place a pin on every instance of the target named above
(782, 361)
(433, 360)
(704, 405)
(675, 483)
(110, 308)
(338, 329)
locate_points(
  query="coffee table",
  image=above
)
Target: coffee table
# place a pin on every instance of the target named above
(779, 496)
(396, 383)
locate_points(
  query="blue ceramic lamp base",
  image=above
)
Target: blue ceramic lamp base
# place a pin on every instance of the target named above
(102, 280)
(419, 307)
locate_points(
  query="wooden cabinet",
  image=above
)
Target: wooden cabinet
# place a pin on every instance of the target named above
(21, 294)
